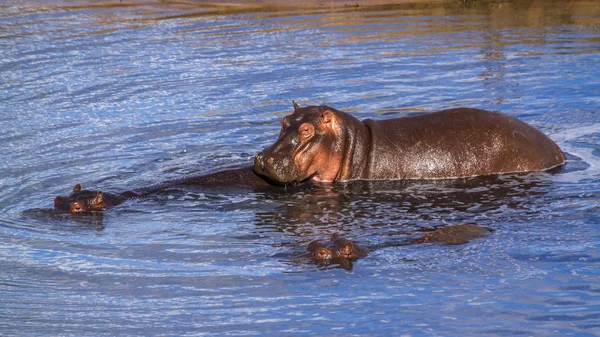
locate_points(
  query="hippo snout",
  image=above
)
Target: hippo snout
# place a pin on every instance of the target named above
(263, 162)
(279, 170)
(259, 163)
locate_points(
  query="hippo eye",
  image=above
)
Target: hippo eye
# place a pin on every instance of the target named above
(323, 254)
(306, 130)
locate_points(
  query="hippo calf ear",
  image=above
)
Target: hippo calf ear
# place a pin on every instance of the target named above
(77, 188)
(98, 199)
(349, 248)
(296, 106)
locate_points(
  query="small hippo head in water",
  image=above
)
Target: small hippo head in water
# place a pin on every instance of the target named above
(308, 147)
(338, 250)
(85, 201)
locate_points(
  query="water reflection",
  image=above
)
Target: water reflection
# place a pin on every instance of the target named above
(57, 221)
(362, 207)
(386, 212)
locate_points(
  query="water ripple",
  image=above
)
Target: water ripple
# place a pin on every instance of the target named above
(115, 96)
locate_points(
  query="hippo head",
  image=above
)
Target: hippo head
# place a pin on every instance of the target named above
(338, 250)
(310, 146)
(81, 201)
(346, 249)
(320, 252)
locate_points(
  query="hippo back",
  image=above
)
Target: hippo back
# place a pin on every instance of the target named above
(457, 143)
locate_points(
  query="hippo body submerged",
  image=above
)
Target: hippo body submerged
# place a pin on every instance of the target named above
(454, 234)
(323, 144)
(343, 252)
(87, 201)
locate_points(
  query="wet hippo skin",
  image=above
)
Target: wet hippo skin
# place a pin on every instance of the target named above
(454, 235)
(321, 143)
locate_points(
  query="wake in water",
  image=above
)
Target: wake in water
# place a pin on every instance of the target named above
(568, 140)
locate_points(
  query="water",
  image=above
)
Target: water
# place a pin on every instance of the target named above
(117, 95)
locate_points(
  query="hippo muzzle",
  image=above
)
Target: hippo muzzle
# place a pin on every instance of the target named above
(276, 163)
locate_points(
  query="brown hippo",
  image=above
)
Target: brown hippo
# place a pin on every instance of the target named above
(320, 143)
(86, 201)
(343, 251)
(337, 250)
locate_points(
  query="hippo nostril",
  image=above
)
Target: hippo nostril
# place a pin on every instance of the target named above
(76, 208)
(258, 162)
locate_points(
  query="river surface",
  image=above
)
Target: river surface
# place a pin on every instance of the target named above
(118, 95)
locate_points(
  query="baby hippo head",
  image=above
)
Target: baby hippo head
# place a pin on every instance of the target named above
(338, 250)
(309, 147)
(81, 201)
(320, 252)
(346, 249)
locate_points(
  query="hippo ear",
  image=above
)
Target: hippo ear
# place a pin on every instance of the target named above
(331, 121)
(296, 106)
(326, 116)
(77, 188)
(349, 248)
(98, 199)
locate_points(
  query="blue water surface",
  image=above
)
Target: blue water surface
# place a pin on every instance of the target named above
(117, 95)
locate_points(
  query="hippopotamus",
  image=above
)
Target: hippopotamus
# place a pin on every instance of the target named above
(337, 250)
(342, 251)
(88, 201)
(322, 144)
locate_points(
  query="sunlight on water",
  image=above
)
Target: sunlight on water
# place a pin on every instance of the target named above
(118, 95)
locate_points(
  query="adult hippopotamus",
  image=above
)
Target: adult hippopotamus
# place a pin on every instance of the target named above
(320, 143)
